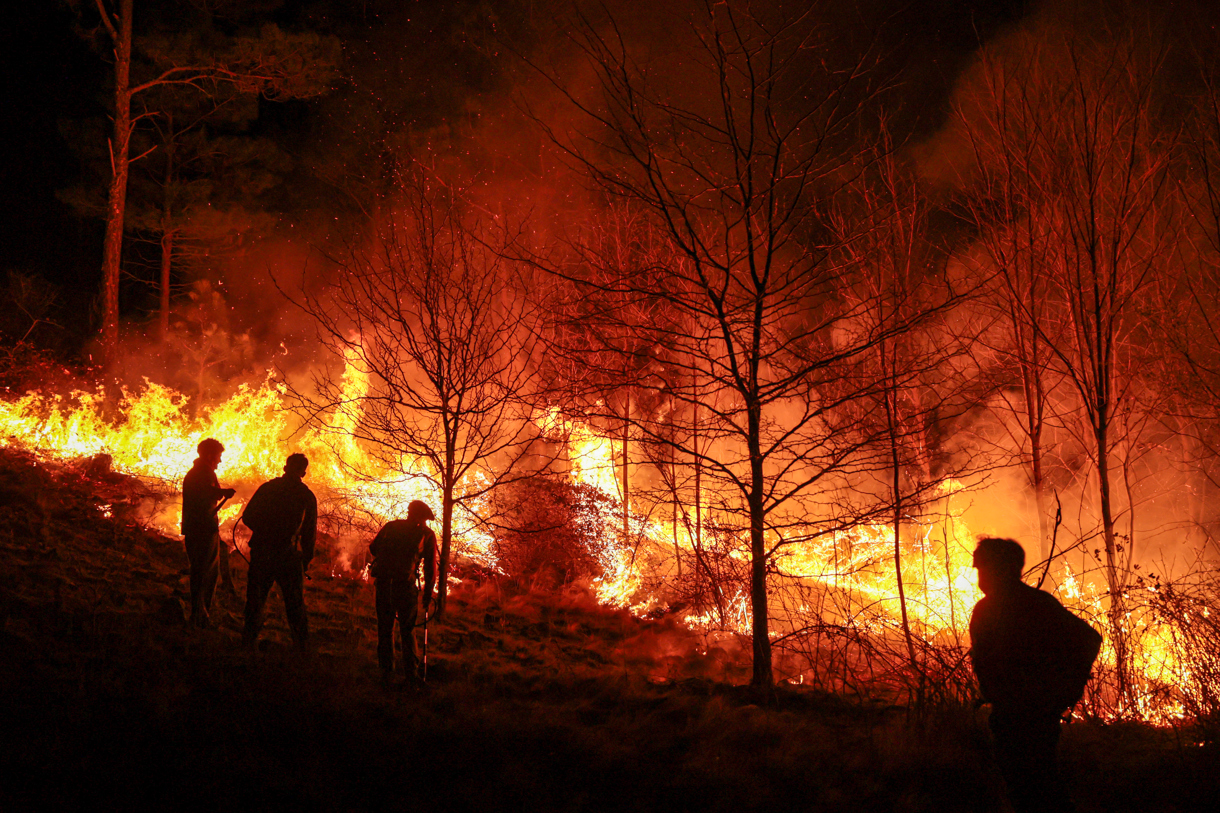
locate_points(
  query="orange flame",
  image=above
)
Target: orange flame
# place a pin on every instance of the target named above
(154, 437)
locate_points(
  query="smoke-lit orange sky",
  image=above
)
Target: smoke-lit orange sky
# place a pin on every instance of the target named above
(442, 72)
(446, 74)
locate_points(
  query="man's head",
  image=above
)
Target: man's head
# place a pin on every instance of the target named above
(210, 450)
(418, 510)
(999, 562)
(296, 465)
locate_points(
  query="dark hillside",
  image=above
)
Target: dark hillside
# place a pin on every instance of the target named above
(535, 702)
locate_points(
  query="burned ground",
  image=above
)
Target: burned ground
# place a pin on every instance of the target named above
(536, 700)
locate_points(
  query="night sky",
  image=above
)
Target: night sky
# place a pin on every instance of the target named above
(55, 76)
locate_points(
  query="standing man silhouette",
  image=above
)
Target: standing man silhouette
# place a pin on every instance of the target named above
(1032, 659)
(397, 551)
(201, 497)
(283, 515)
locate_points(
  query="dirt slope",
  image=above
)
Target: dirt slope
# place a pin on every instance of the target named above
(535, 701)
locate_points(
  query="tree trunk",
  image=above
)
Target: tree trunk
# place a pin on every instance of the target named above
(1114, 580)
(697, 537)
(167, 254)
(442, 570)
(891, 418)
(675, 505)
(626, 475)
(1031, 385)
(698, 540)
(759, 624)
(116, 203)
(167, 236)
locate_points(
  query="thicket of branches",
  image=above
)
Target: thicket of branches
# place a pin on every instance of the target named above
(433, 350)
(765, 318)
(804, 372)
(786, 350)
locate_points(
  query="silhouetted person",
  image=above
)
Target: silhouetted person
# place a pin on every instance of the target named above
(1032, 658)
(283, 515)
(201, 497)
(398, 549)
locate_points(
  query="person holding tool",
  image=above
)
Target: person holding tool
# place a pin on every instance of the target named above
(202, 498)
(283, 516)
(397, 550)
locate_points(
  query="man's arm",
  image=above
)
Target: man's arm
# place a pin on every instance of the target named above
(201, 489)
(250, 516)
(1086, 641)
(309, 527)
(201, 495)
(216, 493)
(985, 654)
(375, 545)
(1079, 645)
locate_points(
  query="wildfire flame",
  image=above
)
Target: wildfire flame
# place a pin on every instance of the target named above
(154, 436)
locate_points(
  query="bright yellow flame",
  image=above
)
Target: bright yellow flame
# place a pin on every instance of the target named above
(153, 435)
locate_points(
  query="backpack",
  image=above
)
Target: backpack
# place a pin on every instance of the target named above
(267, 514)
(399, 548)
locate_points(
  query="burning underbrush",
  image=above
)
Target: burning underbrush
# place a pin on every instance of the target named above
(835, 601)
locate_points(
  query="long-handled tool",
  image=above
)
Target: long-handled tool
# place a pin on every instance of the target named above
(427, 618)
(233, 532)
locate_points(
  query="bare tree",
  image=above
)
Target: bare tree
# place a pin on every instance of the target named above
(1000, 119)
(1194, 329)
(1080, 123)
(435, 318)
(739, 170)
(886, 240)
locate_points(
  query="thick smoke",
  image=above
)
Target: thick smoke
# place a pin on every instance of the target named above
(1164, 508)
(487, 128)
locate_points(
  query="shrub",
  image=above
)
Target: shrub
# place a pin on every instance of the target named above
(549, 528)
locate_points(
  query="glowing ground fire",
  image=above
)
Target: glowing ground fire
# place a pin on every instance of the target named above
(153, 436)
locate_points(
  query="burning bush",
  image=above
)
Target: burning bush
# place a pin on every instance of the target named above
(1191, 611)
(550, 529)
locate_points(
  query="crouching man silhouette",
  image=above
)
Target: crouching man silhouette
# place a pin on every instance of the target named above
(1032, 659)
(399, 549)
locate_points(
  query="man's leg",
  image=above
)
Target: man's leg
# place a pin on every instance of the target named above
(1025, 748)
(291, 577)
(384, 601)
(258, 584)
(1049, 791)
(211, 559)
(406, 601)
(197, 555)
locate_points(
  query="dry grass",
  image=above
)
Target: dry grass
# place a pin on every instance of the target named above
(537, 701)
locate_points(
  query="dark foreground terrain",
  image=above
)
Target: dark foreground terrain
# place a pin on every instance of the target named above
(535, 701)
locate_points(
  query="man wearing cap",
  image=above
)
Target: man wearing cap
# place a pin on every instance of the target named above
(397, 551)
(1032, 659)
(201, 497)
(283, 515)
